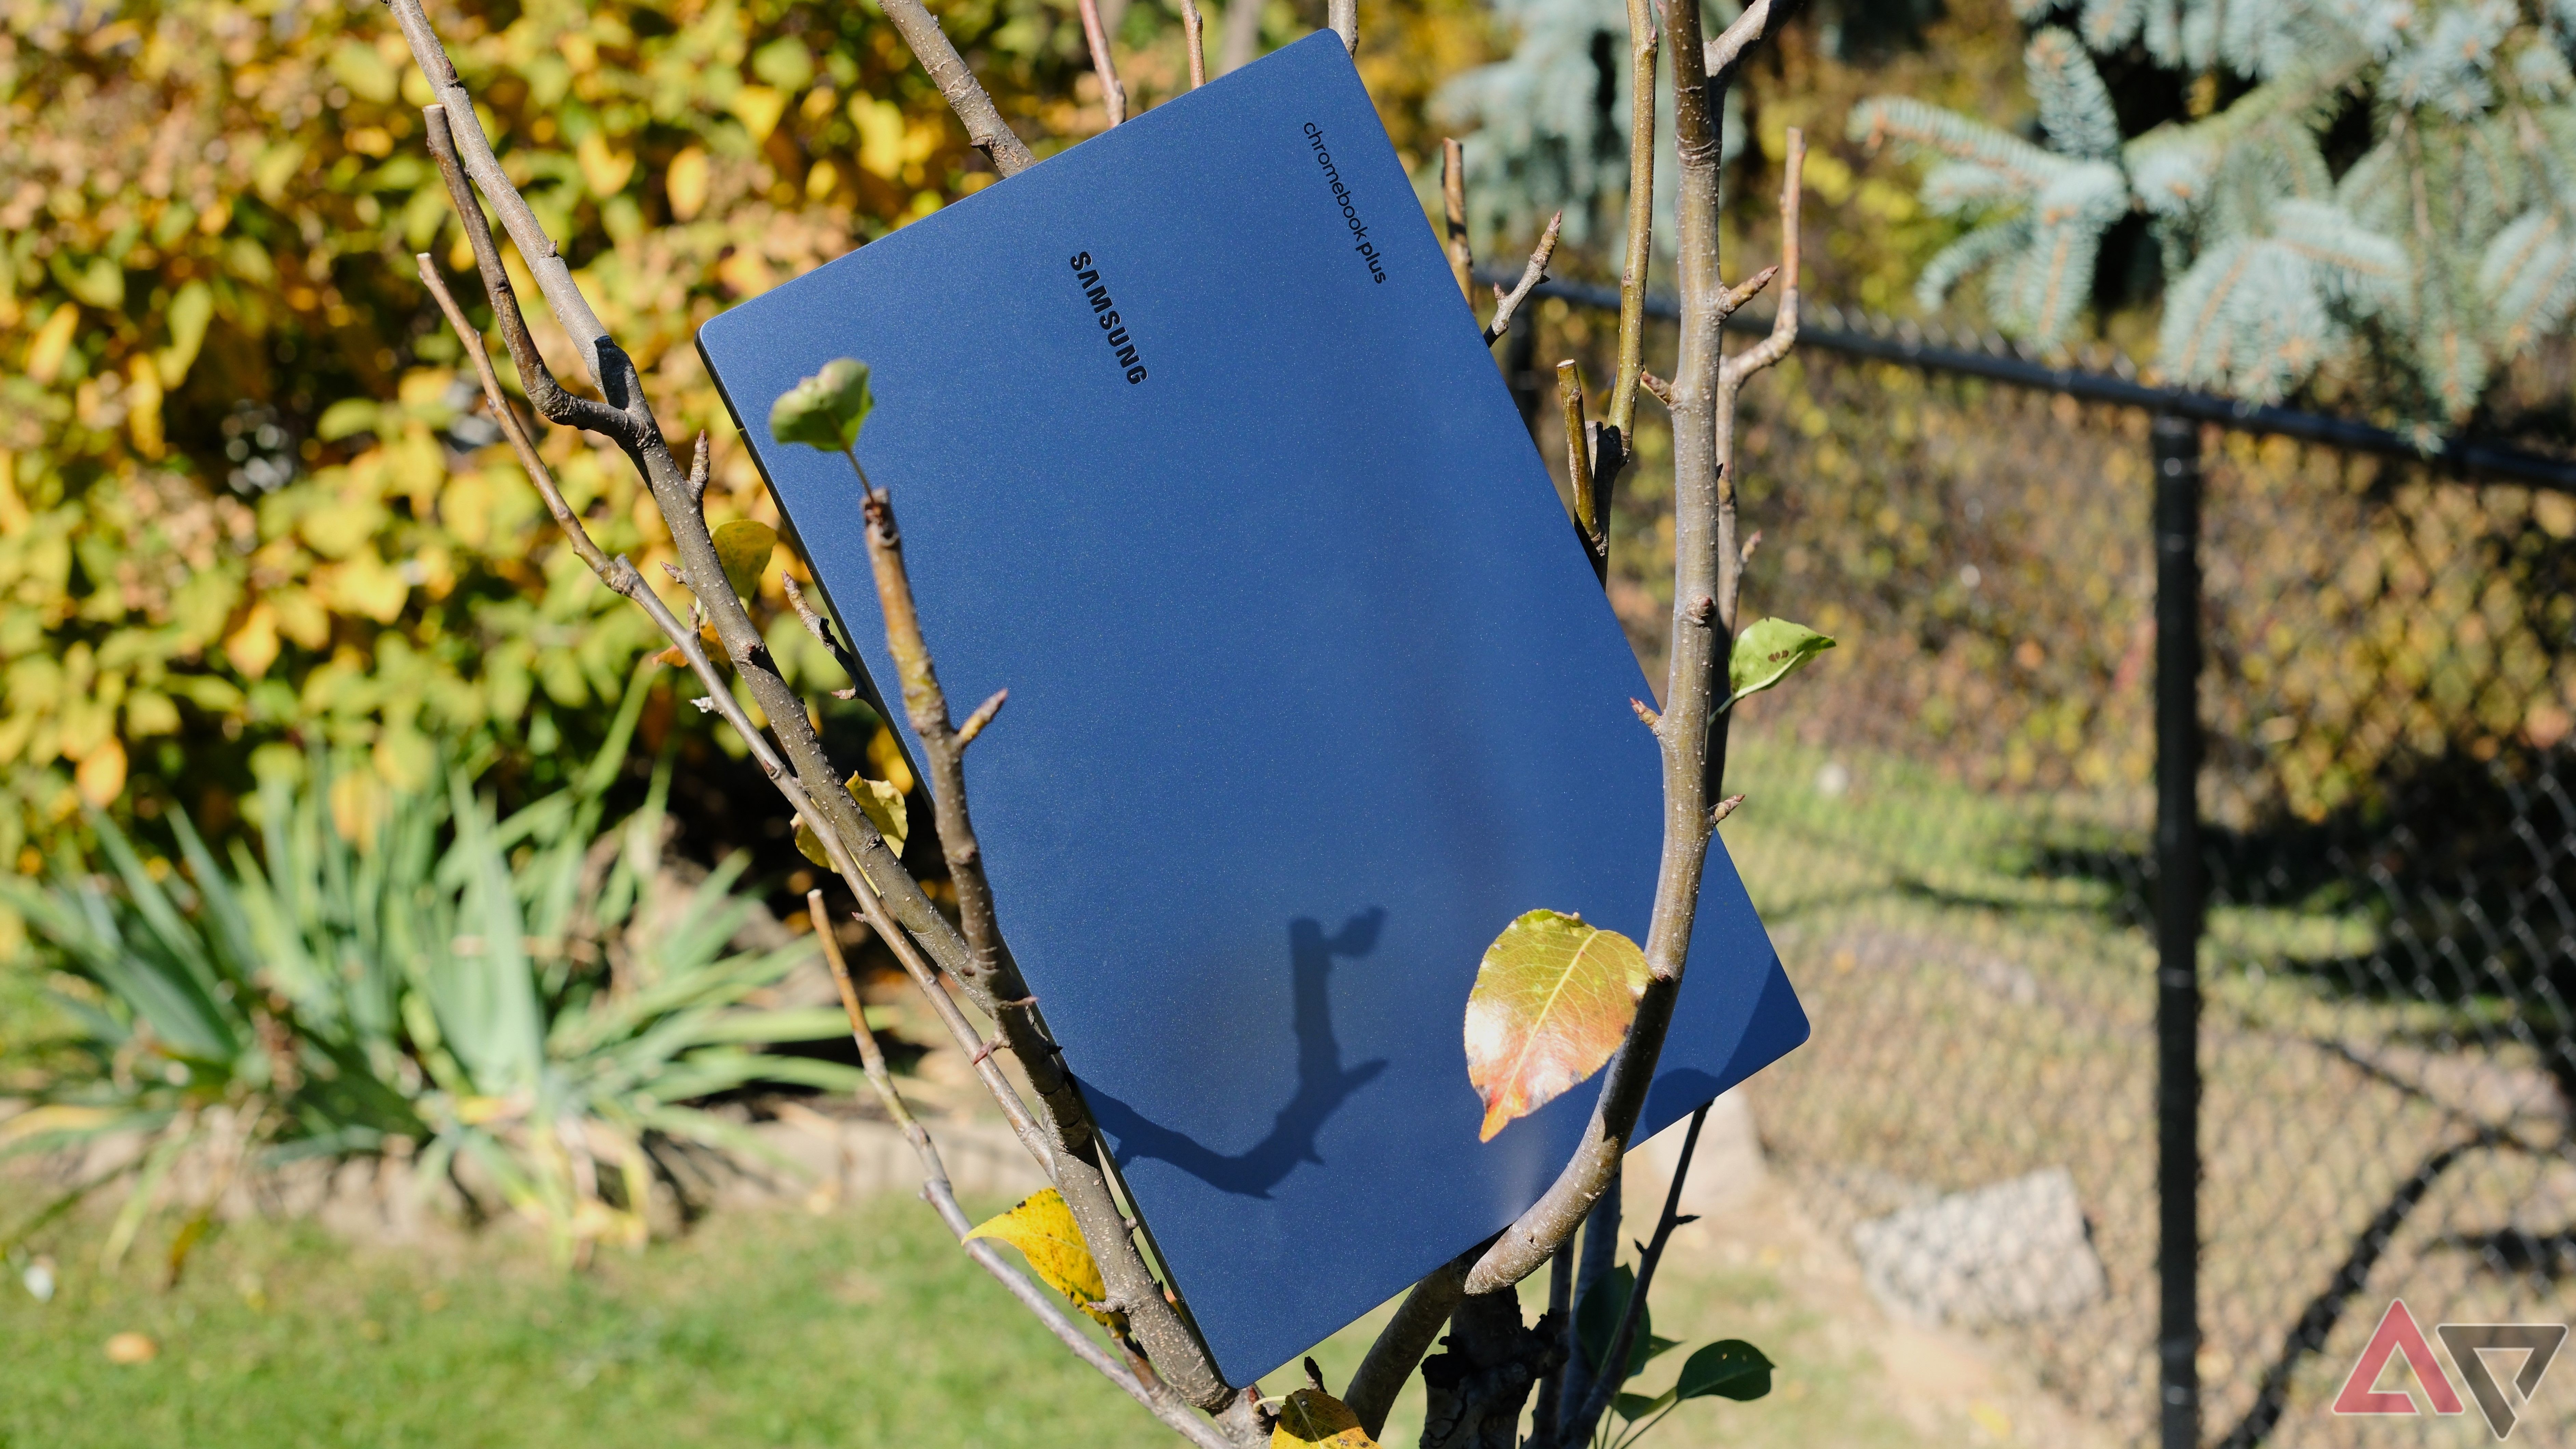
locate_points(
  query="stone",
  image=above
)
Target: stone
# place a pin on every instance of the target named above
(2012, 1252)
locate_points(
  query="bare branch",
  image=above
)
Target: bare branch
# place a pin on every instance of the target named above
(1195, 26)
(1745, 291)
(1453, 210)
(1578, 453)
(1639, 248)
(985, 128)
(1155, 1395)
(1730, 45)
(821, 629)
(1403, 1341)
(1113, 96)
(982, 716)
(1699, 641)
(1784, 322)
(1507, 305)
(1242, 36)
(872, 910)
(1614, 1358)
(1662, 390)
(1343, 18)
(1003, 995)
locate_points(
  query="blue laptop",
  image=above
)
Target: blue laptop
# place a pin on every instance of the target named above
(1198, 451)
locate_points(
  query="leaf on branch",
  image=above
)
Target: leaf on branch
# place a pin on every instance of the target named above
(880, 802)
(1042, 1228)
(744, 547)
(1596, 1322)
(1313, 1419)
(1553, 997)
(1769, 652)
(1633, 1407)
(1729, 1369)
(826, 410)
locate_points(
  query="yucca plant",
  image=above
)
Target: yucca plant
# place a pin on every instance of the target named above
(530, 995)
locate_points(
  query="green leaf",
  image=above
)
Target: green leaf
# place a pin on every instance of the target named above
(1596, 1322)
(1633, 1407)
(1729, 1369)
(1769, 652)
(744, 547)
(826, 410)
(1552, 1000)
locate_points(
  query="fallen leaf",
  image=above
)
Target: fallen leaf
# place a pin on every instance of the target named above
(1313, 1419)
(132, 1348)
(1042, 1228)
(1552, 1000)
(743, 547)
(1769, 652)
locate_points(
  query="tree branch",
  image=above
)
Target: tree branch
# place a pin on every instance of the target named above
(1343, 18)
(1507, 305)
(985, 128)
(1194, 25)
(1113, 96)
(1697, 653)
(1614, 1359)
(1155, 1395)
(1453, 214)
(1718, 62)
(1400, 1345)
(1639, 246)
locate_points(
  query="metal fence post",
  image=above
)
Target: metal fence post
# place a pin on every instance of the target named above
(2179, 911)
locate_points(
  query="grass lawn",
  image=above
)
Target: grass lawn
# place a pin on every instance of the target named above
(762, 1328)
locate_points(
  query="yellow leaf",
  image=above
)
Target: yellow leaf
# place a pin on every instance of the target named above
(143, 406)
(59, 1117)
(686, 183)
(744, 547)
(101, 777)
(758, 108)
(1313, 1419)
(45, 354)
(880, 802)
(886, 753)
(880, 128)
(1042, 1228)
(1553, 999)
(253, 646)
(604, 171)
(365, 585)
(190, 310)
(149, 712)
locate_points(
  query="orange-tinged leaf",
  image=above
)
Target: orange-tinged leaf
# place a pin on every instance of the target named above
(1553, 997)
(1313, 1419)
(1042, 1228)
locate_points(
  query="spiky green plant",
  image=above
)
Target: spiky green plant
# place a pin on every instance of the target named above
(2445, 250)
(529, 994)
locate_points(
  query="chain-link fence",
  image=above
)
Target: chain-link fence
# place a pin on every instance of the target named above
(1953, 836)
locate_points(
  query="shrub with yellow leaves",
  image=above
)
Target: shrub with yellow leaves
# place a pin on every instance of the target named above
(243, 495)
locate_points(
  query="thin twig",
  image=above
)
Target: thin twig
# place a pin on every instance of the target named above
(872, 911)
(1342, 17)
(821, 629)
(1732, 374)
(985, 128)
(1578, 449)
(1614, 1359)
(1453, 212)
(1113, 96)
(1639, 244)
(1507, 305)
(936, 1189)
(1194, 25)
(1729, 47)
